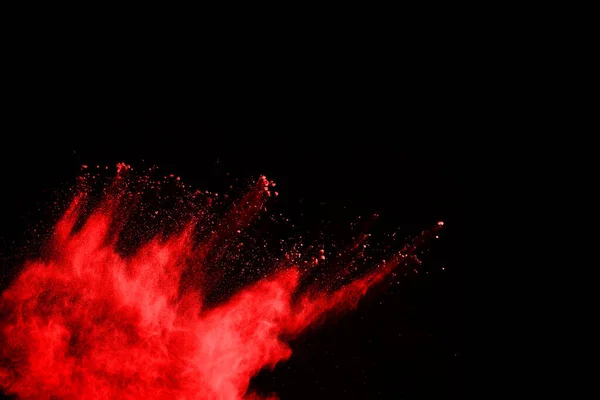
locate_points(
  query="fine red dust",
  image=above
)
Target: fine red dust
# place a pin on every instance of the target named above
(86, 321)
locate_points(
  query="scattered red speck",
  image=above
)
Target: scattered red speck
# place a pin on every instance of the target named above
(84, 166)
(122, 166)
(441, 223)
(178, 178)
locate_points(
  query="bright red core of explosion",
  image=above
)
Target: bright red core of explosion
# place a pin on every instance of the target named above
(86, 321)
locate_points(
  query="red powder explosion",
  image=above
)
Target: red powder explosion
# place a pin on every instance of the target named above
(89, 320)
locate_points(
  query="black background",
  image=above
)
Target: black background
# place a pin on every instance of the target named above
(363, 151)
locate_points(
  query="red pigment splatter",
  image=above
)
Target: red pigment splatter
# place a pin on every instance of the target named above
(88, 322)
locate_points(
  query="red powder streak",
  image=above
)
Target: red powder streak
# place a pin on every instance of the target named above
(89, 323)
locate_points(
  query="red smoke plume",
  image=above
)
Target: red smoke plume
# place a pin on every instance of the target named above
(86, 321)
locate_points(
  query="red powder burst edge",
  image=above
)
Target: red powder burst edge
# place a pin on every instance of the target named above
(87, 322)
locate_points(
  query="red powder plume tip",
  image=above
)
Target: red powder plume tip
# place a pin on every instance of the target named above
(89, 320)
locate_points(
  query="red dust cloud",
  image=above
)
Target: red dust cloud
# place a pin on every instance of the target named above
(87, 320)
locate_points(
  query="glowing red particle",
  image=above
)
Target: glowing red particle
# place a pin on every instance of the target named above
(122, 166)
(441, 223)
